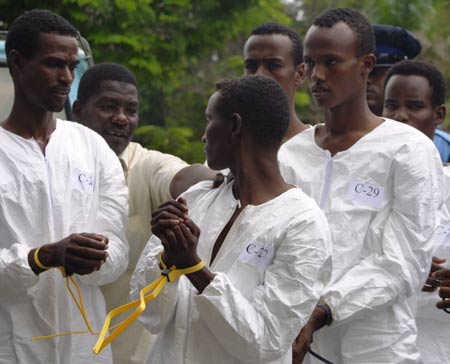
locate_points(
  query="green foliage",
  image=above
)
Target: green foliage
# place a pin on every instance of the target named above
(177, 141)
(179, 49)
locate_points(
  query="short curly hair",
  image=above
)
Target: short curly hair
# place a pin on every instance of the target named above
(261, 103)
(23, 35)
(276, 28)
(356, 22)
(91, 79)
(424, 69)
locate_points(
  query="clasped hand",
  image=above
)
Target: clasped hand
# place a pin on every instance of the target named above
(178, 234)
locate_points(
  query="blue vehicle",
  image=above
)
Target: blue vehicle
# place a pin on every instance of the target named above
(7, 87)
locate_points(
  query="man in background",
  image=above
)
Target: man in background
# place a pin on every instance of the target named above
(415, 95)
(276, 51)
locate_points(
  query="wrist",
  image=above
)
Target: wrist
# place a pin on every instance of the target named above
(323, 315)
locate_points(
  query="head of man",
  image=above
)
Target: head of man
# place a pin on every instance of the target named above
(108, 102)
(245, 115)
(415, 95)
(338, 57)
(42, 54)
(276, 51)
(393, 44)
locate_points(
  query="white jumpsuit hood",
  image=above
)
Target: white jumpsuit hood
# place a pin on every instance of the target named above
(381, 198)
(78, 186)
(269, 274)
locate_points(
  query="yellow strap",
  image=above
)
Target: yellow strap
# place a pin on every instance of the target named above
(146, 294)
(37, 261)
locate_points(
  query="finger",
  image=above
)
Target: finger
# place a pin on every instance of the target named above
(442, 273)
(194, 229)
(433, 282)
(161, 225)
(437, 260)
(435, 267)
(183, 202)
(82, 266)
(180, 235)
(443, 304)
(85, 252)
(172, 206)
(85, 241)
(428, 288)
(97, 237)
(444, 292)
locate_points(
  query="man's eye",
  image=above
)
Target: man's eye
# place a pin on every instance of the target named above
(107, 107)
(330, 61)
(309, 63)
(415, 106)
(273, 66)
(251, 67)
(389, 106)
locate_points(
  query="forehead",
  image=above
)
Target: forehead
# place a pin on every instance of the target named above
(56, 45)
(340, 38)
(411, 86)
(121, 91)
(268, 45)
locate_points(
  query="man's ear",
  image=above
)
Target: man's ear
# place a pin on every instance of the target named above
(439, 114)
(236, 125)
(76, 110)
(299, 74)
(16, 62)
(368, 63)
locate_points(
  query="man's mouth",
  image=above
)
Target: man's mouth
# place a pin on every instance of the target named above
(61, 91)
(318, 90)
(117, 133)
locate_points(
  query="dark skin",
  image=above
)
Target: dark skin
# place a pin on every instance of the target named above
(41, 86)
(443, 275)
(337, 77)
(113, 113)
(272, 55)
(256, 181)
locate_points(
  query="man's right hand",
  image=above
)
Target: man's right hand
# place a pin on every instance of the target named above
(302, 343)
(78, 253)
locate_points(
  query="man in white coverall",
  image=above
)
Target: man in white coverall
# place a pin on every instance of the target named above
(415, 95)
(108, 102)
(63, 204)
(378, 182)
(265, 243)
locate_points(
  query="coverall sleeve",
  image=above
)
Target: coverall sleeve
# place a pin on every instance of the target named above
(261, 329)
(160, 310)
(401, 244)
(16, 276)
(111, 220)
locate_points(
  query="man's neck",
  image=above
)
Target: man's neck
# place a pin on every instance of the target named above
(29, 122)
(345, 125)
(295, 126)
(257, 178)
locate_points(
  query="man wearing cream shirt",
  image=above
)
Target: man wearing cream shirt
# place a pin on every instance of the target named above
(108, 102)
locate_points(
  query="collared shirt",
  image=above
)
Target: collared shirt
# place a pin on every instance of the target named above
(77, 186)
(148, 176)
(442, 142)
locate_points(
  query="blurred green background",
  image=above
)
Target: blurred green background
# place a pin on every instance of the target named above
(178, 49)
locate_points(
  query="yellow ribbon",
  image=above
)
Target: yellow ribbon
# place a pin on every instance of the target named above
(146, 294)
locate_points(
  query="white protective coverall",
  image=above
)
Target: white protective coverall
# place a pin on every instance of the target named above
(381, 198)
(269, 274)
(78, 186)
(433, 325)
